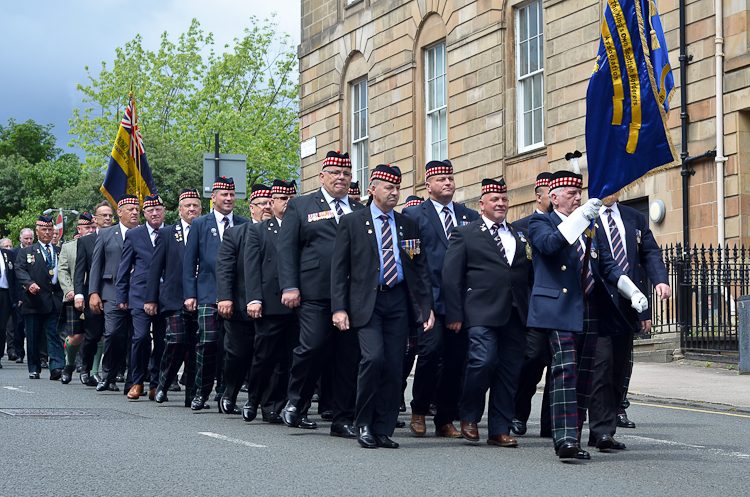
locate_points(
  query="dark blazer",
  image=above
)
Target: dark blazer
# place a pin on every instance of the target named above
(13, 254)
(84, 257)
(201, 249)
(557, 297)
(9, 257)
(230, 270)
(164, 283)
(434, 241)
(643, 255)
(356, 272)
(479, 286)
(49, 297)
(106, 262)
(137, 253)
(306, 246)
(262, 267)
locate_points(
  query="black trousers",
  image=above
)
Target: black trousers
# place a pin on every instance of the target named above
(19, 334)
(537, 358)
(317, 336)
(381, 343)
(239, 347)
(118, 328)
(494, 362)
(611, 365)
(429, 381)
(5, 311)
(276, 337)
(93, 325)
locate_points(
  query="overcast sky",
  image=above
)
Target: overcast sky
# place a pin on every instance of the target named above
(46, 44)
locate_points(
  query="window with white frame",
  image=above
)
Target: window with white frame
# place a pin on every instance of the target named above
(360, 154)
(436, 103)
(530, 75)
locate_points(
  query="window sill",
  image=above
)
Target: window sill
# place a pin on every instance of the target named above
(355, 3)
(526, 155)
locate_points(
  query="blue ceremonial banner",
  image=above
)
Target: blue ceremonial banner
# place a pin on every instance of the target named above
(128, 170)
(628, 100)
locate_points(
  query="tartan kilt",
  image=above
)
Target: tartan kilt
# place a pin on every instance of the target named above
(73, 323)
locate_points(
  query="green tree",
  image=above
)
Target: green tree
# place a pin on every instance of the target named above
(34, 142)
(186, 91)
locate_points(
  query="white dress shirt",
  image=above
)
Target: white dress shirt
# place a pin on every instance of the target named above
(54, 258)
(123, 230)
(509, 241)
(185, 230)
(439, 208)
(152, 232)
(344, 202)
(220, 222)
(4, 277)
(618, 222)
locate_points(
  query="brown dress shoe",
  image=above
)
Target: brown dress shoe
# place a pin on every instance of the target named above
(470, 431)
(448, 430)
(135, 392)
(152, 394)
(417, 425)
(502, 440)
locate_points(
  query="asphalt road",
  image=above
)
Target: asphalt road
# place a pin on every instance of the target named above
(91, 443)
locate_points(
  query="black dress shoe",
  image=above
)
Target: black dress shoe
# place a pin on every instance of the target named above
(79, 369)
(34, 376)
(326, 415)
(245, 387)
(19, 360)
(307, 424)
(272, 418)
(44, 364)
(228, 407)
(55, 374)
(290, 415)
(517, 426)
(197, 403)
(97, 377)
(175, 387)
(400, 424)
(570, 450)
(104, 385)
(120, 378)
(624, 422)
(618, 445)
(402, 407)
(160, 396)
(89, 381)
(384, 441)
(343, 431)
(250, 412)
(12, 357)
(366, 438)
(603, 442)
(67, 375)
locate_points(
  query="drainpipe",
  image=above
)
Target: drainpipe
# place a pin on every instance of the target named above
(684, 120)
(720, 159)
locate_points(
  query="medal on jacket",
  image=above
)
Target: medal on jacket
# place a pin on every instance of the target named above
(638, 236)
(593, 253)
(30, 258)
(464, 222)
(528, 251)
(411, 247)
(178, 233)
(317, 216)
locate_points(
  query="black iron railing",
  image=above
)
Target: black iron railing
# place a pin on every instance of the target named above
(706, 285)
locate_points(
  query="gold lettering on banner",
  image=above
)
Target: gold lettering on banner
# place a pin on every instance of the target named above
(634, 83)
(663, 92)
(614, 67)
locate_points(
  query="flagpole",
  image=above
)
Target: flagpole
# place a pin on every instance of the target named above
(138, 150)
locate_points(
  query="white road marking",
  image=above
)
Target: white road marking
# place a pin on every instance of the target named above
(692, 446)
(17, 389)
(231, 440)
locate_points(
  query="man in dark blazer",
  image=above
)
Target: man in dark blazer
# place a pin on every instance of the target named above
(379, 267)
(486, 286)
(537, 356)
(36, 271)
(93, 324)
(132, 276)
(276, 325)
(199, 286)
(8, 296)
(239, 329)
(437, 216)
(26, 239)
(569, 299)
(305, 257)
(164, 296)
(626, 232)
(105, 264)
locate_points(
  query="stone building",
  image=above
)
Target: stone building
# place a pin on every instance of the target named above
(499, 86)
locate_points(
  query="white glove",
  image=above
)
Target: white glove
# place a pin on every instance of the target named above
(579, 220)
(591, 208)
(628, 290)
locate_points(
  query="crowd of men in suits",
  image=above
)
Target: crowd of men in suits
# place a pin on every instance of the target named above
(322, 296)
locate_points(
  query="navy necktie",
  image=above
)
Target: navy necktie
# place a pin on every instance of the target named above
(494, 232)
(448, 222)
(618, 250)
(390, 271)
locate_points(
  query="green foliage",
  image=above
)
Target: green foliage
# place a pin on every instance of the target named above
(30, 140)
(185, 92)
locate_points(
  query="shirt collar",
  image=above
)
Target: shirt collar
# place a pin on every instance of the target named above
(488, 222)
(220, 217)
(43, 245)
(123, 228)
(329, 198)
(278, 221)
(615, 209)
(376, 212)
(151, 230)
(439, 206)
(185, 225)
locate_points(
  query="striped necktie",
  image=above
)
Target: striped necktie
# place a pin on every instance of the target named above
(589, 277)
(339, 210)
(50, 260)
(494, 231)
(226, 223)
(618, 250)
(390, 272)
(448, 222)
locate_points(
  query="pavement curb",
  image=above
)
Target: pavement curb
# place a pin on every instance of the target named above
(641, 397)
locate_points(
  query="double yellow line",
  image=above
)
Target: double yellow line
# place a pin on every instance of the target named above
(692, 410)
